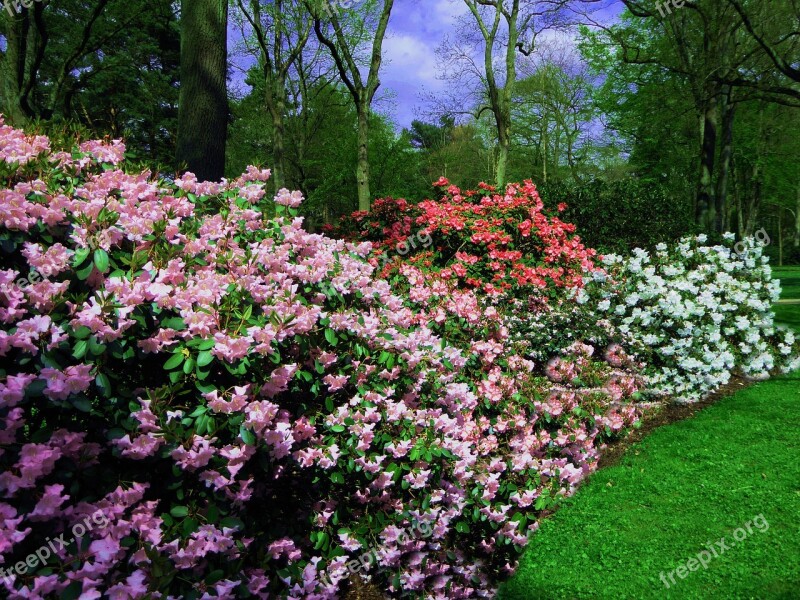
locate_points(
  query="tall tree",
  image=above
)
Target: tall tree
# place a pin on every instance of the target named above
(507, 29)
(203, 104)
(45, 49)
(112, 66)
(330, 30)
(777, 36)
(280, 31)
(553, 113)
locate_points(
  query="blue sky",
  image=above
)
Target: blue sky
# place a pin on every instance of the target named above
(416, 28)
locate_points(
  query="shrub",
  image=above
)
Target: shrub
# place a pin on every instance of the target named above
(695, 314)
(243, 409)
(502, 244)
(618, 216)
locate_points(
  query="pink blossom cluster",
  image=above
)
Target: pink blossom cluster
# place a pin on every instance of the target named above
(17, 148)
(251, 407)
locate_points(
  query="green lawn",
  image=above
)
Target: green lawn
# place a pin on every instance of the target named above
(684, 486)
(790, 281)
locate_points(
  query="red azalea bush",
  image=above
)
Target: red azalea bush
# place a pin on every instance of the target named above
(200, 400)
(501, 244)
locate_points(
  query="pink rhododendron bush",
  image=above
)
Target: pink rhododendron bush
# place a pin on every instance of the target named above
(247, 410)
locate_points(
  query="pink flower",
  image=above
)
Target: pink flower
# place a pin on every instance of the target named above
(335, 382)
(287, 198)
(49, 505)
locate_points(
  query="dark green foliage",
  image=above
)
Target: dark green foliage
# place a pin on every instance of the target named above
(617, 216)
(110, 66)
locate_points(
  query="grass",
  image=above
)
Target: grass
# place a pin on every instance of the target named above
(686, 485)
(789, 314)
(790, 280)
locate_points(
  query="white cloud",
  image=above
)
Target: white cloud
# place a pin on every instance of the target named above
(410, 58)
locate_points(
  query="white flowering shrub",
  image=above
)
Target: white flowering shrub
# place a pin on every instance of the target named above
(695, 314)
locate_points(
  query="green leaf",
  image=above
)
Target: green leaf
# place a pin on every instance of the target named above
(103, 384)
(248, 437)
(79, 351)
(80, 257)
(115, 434)
(204, 358)
(200, 410)
(101, 260)
(176, 323)
(82, 404)
(73, 591)
(215, 576)
(462, 527)
(322, 540)
(232, 523)
(188, 366)
(175, 361)
(95, 347)
(330, 335)
(84, 273)
(82, 332)
(179, 511)
(206, 344)
(201, 424)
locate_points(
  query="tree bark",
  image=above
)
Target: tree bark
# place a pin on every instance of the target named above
(26, 39)
(362, 93)
(706, 204)
(755, 200)
(277, 108)
(362, 167)
(279, 51)
(203, 103)
(728, 115)
(797, 220)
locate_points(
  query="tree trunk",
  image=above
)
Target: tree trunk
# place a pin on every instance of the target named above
(544, 154)
(755, 201)
(203, 104)
(797, 220)
(502, 157)
(362, 168)
(739, 209)
(728, 114)
(706, 205)
(18, 32)
(277, 108)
